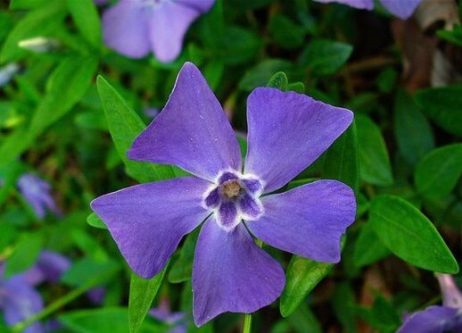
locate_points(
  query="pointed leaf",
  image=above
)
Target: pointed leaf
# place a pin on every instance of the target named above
(437, 174)
(125, 125)
(410, 235)
(142, 293)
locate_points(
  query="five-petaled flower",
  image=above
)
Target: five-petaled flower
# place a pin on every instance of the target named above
(136, 27)
(286, 133)
(400, 8)
(438, 319)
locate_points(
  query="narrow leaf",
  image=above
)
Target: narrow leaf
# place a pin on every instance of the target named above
(125, 125)
(86, 19)
(373, 156)
(142, 293)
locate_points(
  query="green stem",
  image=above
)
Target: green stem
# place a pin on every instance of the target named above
(247, 323)
(50, 308)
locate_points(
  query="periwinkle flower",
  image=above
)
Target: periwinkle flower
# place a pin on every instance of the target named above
(36, 191)
(176, 320)
(134, 28)
(19, 299)
(438, 319)
(286, 133)
(400, 8)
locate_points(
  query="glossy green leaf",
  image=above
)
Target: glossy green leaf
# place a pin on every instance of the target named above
(302, 276)
(412, 130)
(90, 272)
(25, 254)
(260, 75)
(341, 160)
(325, 57)
(373, 155)
(279, 81)
(107, 320)
(438, 172)
(142, 293)
(410, 235)
(368, 247)
(443, 105)
(95, 221)
(86, 19)
(125, 125)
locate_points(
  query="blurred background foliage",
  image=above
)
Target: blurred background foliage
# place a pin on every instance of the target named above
(403, 156)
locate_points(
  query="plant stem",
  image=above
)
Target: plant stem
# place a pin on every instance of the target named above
(50, 308)
(247, 323)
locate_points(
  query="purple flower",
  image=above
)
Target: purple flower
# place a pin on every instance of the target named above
(136, 27)
(165, 315)
(400, 8)
(286, 133)
(438, 319)
(18, 298)
(37, 193)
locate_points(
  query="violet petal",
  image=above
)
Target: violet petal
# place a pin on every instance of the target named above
(148, 221)
(167, 26)
(402, 9)
(288, 132)
(125, 29)
(191, 132)
(231, 273)
(434, 319)
(360, 4)
(308, 220)
(19, 302)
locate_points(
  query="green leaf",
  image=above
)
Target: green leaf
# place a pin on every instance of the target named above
(142, 293)
(325, 57)
(298, 87)
(95, 221)
(26, 4)
(86, 19)
(89, 271)
(302, 276)
(410, 235)
(182, 268)
(25, 254)
(125, 125)
(412, 130)
(373, 156)
(443, 106)
(368, 247)
(279, 81)
(66, 86)
(107, 320)
(285, 32)
(259, 75)
(438, 172)
(341, 160)
(39, 22)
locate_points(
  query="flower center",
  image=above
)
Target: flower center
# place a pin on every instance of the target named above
(234, 198)
(231, 189)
